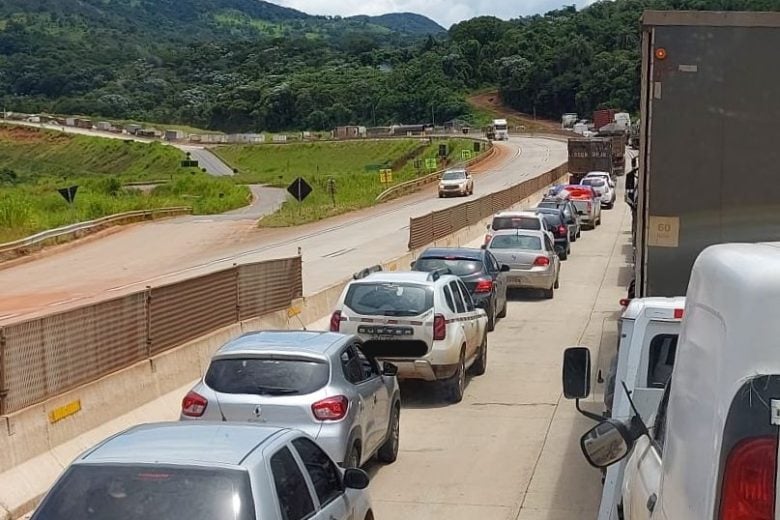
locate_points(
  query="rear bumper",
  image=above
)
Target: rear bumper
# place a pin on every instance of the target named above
(333, 438)
(531, 279)
(440, 362)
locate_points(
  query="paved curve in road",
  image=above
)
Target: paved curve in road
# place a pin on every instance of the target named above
(165, 251)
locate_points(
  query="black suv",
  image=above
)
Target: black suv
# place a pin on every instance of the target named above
(569, 212)
(557, 222)
(481, 273)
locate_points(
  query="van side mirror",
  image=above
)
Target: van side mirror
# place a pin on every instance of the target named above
(355, 478)
(576, 373)
(607, 443)
(505, 268)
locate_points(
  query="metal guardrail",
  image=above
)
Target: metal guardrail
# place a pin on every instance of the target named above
(404, 187)
(43, 357)
(23, 246)
(438, 224)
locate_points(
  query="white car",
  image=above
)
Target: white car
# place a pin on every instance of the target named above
(425, 323)
(528, 220)
(604, 185)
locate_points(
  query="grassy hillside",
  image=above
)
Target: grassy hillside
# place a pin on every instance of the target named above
(352, 165)
(35, 163)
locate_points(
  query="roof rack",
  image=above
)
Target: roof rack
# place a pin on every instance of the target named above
(367, 271)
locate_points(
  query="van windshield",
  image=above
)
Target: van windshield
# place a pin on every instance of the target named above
(389, 299)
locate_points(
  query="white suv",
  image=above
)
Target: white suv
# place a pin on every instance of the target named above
(425, 323)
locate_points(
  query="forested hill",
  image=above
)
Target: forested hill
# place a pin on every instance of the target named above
(251, 65)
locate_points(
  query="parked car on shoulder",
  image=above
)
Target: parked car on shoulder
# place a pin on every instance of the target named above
(565, 204)
(317, 382)
(531, 258)
(208, 471)
(425, 323)
(456, 182)
(483, 275)
(557, 222)
(513, 219)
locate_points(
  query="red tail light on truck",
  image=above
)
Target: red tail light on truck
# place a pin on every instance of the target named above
(748, 491)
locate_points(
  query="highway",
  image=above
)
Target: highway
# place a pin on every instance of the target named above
(126, 259)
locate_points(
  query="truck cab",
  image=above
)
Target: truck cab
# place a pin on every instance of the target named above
(710, 449)
(501, 129)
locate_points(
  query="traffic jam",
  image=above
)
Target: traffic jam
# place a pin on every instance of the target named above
(282, 421)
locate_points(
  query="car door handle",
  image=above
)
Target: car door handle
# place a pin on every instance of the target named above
(374, 399)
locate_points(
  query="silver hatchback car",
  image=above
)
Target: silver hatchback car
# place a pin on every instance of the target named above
(531, 257)
(207, 471)
(318, 382)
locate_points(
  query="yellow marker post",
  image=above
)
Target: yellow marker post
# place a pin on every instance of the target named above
(64, 411)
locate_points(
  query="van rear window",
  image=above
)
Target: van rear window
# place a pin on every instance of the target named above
(267, 376)
(389, 299)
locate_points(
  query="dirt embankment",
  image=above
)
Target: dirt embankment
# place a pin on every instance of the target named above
(491, 102)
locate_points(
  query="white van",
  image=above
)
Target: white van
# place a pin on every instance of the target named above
(711, 450)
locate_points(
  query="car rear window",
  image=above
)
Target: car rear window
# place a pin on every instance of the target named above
(516, 242)
(114, 492)
(389, 299)
(456, 266)
(554, 219)
(267, 376)
(500, 223)
(593, 182)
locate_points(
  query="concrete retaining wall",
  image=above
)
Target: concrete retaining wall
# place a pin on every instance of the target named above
(34, 451)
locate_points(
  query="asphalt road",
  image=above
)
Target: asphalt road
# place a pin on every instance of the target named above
(158, 252)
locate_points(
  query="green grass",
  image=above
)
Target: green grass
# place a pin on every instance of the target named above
(345, 162)
(35, 163)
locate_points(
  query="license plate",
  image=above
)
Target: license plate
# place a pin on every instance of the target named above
(386, 331)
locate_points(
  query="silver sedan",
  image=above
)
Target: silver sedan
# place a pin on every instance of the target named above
(531, 258)
(318, 382)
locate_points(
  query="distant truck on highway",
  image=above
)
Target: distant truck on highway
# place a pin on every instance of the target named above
(501, 129)
(708, 141)
(589, 154)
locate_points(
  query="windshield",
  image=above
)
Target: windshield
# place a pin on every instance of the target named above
(265, 376)
(453, 176)
(389, 299)
(517, 222)
(516, 242)
(145, 492)
(456, 266)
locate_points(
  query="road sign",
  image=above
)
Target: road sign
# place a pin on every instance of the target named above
(69, 194)
(442, 150)
(430, 164)
(189, 164)
(385, 176)
(465, 154)
(299, 189)
(477, 146)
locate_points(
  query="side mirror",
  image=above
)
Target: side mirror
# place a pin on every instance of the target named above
(389, 369)
(607, 443)
(483, 246)
(412, 264)
(355, 478)
(576, 373)
(505, 268)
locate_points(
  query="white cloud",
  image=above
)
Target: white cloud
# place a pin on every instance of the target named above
(446, 12)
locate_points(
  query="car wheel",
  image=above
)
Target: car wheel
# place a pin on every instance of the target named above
(502, 314)
(353, 459)
(491, 312)
(388, 452)
(456, 385)
(573, 237)
(480, 365)
(557, 283)
(549, 294)
(564, 255)
(579, 233)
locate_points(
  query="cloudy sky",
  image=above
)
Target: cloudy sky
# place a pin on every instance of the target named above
(446, 12)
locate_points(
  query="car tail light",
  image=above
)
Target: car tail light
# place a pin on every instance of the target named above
(625, 302)
(331, 409)
(748, 491)
(678, 314)
(193, 405)
(487, 238)
(484, 286)
(335, 321)
(562, 230)
(542, 261)
(439, 328)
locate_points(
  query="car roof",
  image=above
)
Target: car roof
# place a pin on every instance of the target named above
(530, 232)
(551, 211)
(521, 213)
(292, 341)
(195, 443)
(458, 252)
(456, 170)
(600, 174)
(421, 277)
(654, 307)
